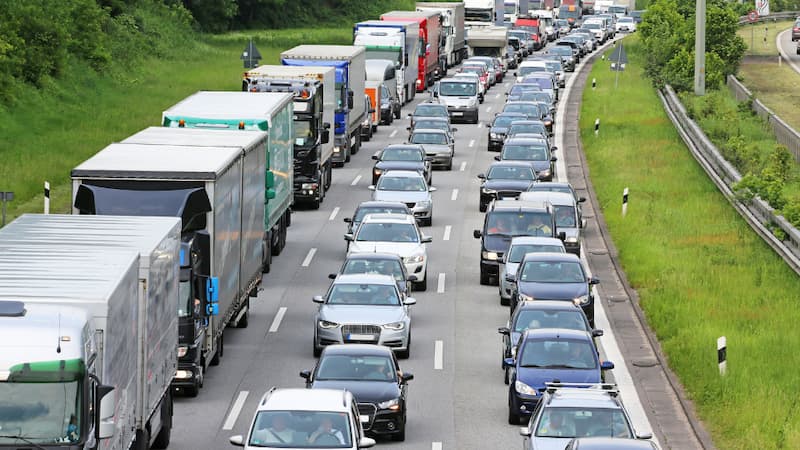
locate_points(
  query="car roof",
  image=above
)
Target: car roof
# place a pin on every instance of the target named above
(517, 205)
(554, 197)
(525, 140)
(405, 173)
(532, 63)
(549, 305)
(357, 349)
(373, 256)
(429, 130)
(509, 163)
(557, 333)
(608, 443)
(409, 146)
(429, 104)
(583, 398)
(365, 278)
(300, 399)
(388, 218)
(426, 118)
(380, 203)
(551, 257)
(528, 122)
(535, 240)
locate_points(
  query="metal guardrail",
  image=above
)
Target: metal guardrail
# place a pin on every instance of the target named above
(774, 17)
(756, 212)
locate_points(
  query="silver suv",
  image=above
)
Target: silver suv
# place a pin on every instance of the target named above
(305, 418)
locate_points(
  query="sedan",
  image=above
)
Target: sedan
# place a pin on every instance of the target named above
(439, 146)
(373, 207)
(610, 443)
(402, 157)
(371, 373)
(429, 110)
(381, 263)
(407, 187)
(535, 151)
(363, 309)
(526, 127)
(566, 54)
(567, 220)
(506, 179)
(530, 110)
(433, 123)
(628, 25)
(520, 246)
(499, 128)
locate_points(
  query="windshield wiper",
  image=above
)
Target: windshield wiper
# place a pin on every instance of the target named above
(23, 439)
(532, 365)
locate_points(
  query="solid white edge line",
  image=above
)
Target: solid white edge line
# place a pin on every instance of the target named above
(394, 133)
(463, 166)
(447, 231)
(236, 409)
(333, 214)
(438, 355)
(436, 446)
(454, 195)
(276, 322)
(309, 257)
(356, 180)
(471, 142)
(440, 286)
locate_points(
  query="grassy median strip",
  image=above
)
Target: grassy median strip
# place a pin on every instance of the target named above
(700, 271)
(52, 130)
(760, 37)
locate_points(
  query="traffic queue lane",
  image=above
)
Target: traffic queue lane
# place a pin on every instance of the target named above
(457, 399)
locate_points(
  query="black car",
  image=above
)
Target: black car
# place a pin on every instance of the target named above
(432, 123)
(381, 263)
(505, 219)
(371, 373)
(553, 276)
(527, 127)
(402, 157)
(374, 207)
(429, 109)
(536, 152)
(390, 106)
(529, 109)
(504, 180)
(499, 127)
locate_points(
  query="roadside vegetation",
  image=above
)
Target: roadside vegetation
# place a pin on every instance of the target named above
(760, 37)
(699, 269)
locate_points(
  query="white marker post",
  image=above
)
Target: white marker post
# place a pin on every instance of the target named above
(597, 126)
(47, 197)
(594, 83)
(624, 202)
(722, 355)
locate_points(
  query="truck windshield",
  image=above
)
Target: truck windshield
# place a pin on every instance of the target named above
(478, 15)
(391, 55)
(303, 133)
(487, 51)
(340, 106)
(452, 88)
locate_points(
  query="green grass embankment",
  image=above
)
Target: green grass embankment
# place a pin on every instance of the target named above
(51, 130)
(760, 37)
(699, 269)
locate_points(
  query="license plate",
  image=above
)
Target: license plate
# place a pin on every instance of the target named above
(361, 337)
(364, 419)
(457, 113)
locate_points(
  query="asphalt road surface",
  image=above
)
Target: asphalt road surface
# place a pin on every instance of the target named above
(789, 49)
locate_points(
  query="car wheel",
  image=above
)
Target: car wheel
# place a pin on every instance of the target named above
(422, 286)
(400, 436)
(482, 207)
(450, 164)
(484, 278)
(513, 418)
(429, 222)
(317, 350)
(505, 301)
(505, 376)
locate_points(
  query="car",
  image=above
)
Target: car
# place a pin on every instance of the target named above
(566, 54)
(553, 276)
(494, 67)
(582, 410)
(504, 220)
(572, 45)
(541, 314)
(567, 220)
(439, 146)
(363, 309)
(535, 151)
(367, 127)
(398, 234)
(796, 30)
(461, 97)
(373, 207)
(525, 40)
(520, 88)
(584, 45)
(482, 72)
(563, 27)
(372, 374)
(597, 27)
(546, 81)
(436, 123)
(555, 186)
(402, 157)
(473, 76)
(628, 25)
(557, 68)
(529, 67)
(592, 41)
(610, 443)
(390, 106)
(498, 129)
(504, 180)
(288, 418)
(546, 111)
(428, 109)
(530, 110)
(540, 96)
(519, 127)
(381, 263)
(408, 187)
(546, 354)
(487, 68)
(520, 246)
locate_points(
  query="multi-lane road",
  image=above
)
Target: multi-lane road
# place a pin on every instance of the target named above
(457, 399)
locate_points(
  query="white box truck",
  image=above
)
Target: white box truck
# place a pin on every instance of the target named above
(453, 29)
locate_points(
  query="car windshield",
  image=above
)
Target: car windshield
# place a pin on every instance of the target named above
(429, 138)
(510, 173)
(583, 422)
(519, 251)
(363, 211)
(520, 88)
(557, 353)
(553, 272)
(554, 66)
(505, 121)
(431, 111)
(542, 318)
(405, 184)
(432, 124)
(541, 96)
(543, 83)
(528, 110)
(301, 429)
(389, 267)
(401, 154)
(456, 88)
(363, 294)
(561, 51)
(565, 216)
(356, 367)
(550, 187)
(525, 70)
(527, 128)
(387, 232)
(474, 69)
(625, 20)
(525, 152)
(592, 26)
(515, 223)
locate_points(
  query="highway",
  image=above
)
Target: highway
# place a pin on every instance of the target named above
(457, 399)
(788, 49)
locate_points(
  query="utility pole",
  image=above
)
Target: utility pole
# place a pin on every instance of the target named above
(700, 49)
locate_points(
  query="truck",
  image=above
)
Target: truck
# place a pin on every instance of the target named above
(396, 41)
(453, 29)
(483, 13)
(313, 90)
(372, 89)
(430, 67)
(601, 6)
(488, 41)
(572, 13)
(510, 11)
(88, 331)
(349, 63)
(217, 192)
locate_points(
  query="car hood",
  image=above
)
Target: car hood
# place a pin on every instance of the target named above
(364, 391)
(402, 249)
(550, 443)
(436, 148)
(496, 243)
(508, 185)
(401, 196)
(536, 378)
(458, 101)
(499, 130)
(362, 314)
(554, 291)
(400, 165)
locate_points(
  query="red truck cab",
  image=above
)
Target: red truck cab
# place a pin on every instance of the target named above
(430, 29)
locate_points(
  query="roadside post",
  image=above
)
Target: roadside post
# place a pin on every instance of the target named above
(5, 197)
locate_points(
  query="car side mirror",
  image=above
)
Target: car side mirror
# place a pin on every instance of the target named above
(348, 237)
(524, 431)
(408, 128)
(497, 158)
(348, 220)
(305, 374)
(426, 240)
(366, 442)
(237, 440)
(409, 116)
(581, 199)
(553, 148)
(553, 159)
(410, 301)
(606, 365)
(597, 333)
(106, 400)
(371, 187)
(332, 276)
(412, 278)
(431, 189)
(594, 280)
(510, 277)
(375, 157)
(644, 435)
(504, 331)
(318, 299)
(481, 176)
(476, 234)
(454, 130)
(407, 376)
(562, 235)
(508, 362)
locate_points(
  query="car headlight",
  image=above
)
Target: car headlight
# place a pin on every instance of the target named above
(488, 191)
(182, 350)
(378, 171)
(424, 204)
(396, 326)
(547, 123)
(414, 259)
(572, 240)
(525, 298)
(327, 325)
(582, 300)
(491, 256)
(494, 136)
(393, 404)
(523, 388)
(337, 149)
(544, 173)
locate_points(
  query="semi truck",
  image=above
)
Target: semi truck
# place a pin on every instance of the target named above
(430, 67)
(88, 332)
(510, 11)
(573, 12)
(218, 193)
(453, 28)
(398, 42)
(313, 90)
(483, 13)
(488, 41)
(349, 63)
(270, 112)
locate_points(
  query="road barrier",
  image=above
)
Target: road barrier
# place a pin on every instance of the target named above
(774, 17)
(761, 217)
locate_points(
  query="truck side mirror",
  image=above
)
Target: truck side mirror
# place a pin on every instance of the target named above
(349, 99)
(106, 400)
(269, 180)
(326, 134)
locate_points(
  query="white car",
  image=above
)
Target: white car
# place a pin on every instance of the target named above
(626, 25)
(529, 67)
(409, 187)
(398, 234)
(473, 76)
(520, 246)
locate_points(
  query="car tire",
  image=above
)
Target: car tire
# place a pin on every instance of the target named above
(485, 279)
(400, 436)
(482, 206)
(506, 378)
(505, 301)
(317, 350)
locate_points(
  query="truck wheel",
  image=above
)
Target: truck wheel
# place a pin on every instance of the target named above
(329, 176)
(422, 286)
(485, 279)
(245, 320)
(142, 441)
(163, 436)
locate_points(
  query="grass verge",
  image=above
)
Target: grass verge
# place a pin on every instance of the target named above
(778, 87)
(760, 37)
(700, 271)
(57, 127)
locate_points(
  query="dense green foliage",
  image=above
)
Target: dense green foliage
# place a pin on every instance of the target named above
(668, 32)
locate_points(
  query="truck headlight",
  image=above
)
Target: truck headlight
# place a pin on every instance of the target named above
(396, 326)
(182, 350)
(308, 186)
(327, 325)
(377, 171)
(393, 404)
(523, 388)
(544, 173)
(491, 256)
(337, 149)
(581, 301)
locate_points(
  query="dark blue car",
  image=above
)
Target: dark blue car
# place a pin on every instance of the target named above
(550, 355)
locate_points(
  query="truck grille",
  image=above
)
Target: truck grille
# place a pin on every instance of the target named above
(367, 410)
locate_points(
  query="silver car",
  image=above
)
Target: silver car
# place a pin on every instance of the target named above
(567, 218)
(364, 309)
(408, 187)
(439, 146)
(520, 246)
